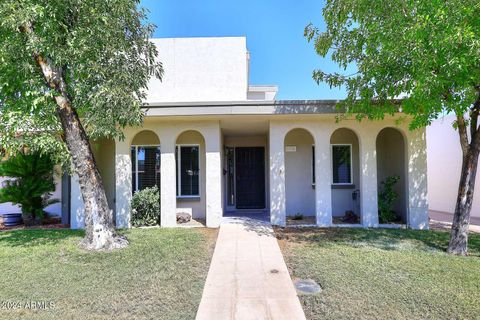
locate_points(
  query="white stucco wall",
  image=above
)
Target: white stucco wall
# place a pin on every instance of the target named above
(367, 132)
(321, 200)
(201, 69)
(169, 132)
(342, 195)
(391, 162)
(300, 193)
(444, 166)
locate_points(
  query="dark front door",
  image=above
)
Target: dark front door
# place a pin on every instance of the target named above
(250, 177)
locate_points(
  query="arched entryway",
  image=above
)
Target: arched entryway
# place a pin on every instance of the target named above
(391, 169)
(191, 174)
(299, 149)
(345, 164)
(145, 158)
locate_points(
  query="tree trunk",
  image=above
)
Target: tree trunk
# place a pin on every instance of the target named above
(100, 233)
(461, 219)
(99, 230)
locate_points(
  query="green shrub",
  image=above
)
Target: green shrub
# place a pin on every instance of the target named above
(32, 183)
(298, 216)
(146, 207)
(386, 198)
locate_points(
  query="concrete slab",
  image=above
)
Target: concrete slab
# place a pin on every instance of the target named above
(248, 278)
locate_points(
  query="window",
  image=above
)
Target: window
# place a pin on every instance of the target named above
(145, 167)
(188, 167)
(342, 163)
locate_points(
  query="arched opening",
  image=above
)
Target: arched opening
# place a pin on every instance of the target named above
(345, 162)
(391, 171)
(191, 175)
(300, 177)
(145, 158)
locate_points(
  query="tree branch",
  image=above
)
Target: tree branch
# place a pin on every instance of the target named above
(52, 74)
(462, 131)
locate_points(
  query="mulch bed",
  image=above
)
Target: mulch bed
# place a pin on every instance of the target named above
(49, 223)
(43, 226)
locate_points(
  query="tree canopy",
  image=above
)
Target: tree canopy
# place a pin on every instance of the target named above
(418, 57)
(106, 57)
(425, 52)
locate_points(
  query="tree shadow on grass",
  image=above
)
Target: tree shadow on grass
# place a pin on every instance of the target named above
(259, 226)
(36, 237)
(384, 239)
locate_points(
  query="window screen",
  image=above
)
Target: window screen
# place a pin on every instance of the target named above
(342, 164)
(145, 167)
(188, 172)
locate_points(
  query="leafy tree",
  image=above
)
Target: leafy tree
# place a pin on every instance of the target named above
(70, 71)
(427, 53)
(32, 184)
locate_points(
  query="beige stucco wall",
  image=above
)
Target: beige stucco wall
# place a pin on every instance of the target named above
(300, 193)
(146, 137)
(104, 153)
(196, 204)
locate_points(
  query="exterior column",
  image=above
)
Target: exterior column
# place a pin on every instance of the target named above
(368, 179)
(323, 179)
(123, 184)
(277, 176)
(168, 183)
(213, 167)
(417, 180)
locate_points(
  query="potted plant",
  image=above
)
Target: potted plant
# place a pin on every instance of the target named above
(31, 185)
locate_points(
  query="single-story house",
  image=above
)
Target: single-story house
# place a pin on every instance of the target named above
(216, 145)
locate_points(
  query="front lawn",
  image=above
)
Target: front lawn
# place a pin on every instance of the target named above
(384, 274)
(160, 275)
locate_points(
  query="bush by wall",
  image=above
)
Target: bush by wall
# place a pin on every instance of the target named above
(386, 199)
(31, 185)
(146, 207)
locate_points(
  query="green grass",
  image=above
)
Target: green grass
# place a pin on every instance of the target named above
(160, 275)
(384, 274)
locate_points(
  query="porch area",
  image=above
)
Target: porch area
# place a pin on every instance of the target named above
(290, 170)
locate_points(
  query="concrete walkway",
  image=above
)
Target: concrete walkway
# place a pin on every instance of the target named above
(443, 220)
(248, 278)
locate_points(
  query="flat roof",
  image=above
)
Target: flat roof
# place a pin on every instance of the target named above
(243, 107)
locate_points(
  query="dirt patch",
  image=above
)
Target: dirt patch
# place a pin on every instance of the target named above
(43, 226)
(447, 226)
